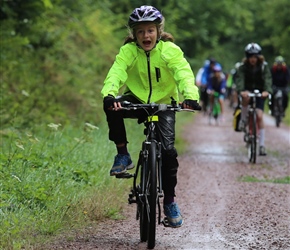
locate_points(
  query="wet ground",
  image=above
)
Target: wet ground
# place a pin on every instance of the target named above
(220, 210)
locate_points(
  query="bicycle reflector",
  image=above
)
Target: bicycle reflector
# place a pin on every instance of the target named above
(152, 118)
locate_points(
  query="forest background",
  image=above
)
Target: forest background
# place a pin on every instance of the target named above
(56, 53)
(54, 57)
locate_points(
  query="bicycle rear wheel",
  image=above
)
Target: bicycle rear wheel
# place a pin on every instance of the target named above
(152, 194)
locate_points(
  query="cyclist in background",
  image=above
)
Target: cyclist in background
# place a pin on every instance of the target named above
(254, 73)
(202, 86)
(153, 69)
(199, 75)
(280, 79)
(217, 83)
(207, 71)
(229, 86)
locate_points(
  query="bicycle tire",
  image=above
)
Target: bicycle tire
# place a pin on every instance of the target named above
(278, 111)
(152, 194)
(216, 108)
(143, 217)
(252, 144)
(254, 137)
(215, 111)
(278, 121)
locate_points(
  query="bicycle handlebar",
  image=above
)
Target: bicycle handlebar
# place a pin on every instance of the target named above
(254, 94)
(257, 93)
(153, 106)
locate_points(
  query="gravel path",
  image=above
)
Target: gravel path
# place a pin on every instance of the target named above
(220, 211)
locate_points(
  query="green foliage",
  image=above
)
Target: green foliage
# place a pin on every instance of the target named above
(275, 17)
(56, 72)
(282, 180)
(55, 177)
(55, 54)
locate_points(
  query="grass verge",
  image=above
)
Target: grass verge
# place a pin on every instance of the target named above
(283, 180)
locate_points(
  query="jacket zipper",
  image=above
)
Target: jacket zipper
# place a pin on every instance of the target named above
(149, 77)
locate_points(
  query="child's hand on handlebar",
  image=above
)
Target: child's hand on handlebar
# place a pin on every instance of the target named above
(111, 103)
(191, 104)
(244, 94)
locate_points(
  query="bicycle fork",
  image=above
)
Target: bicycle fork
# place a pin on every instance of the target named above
(159, 176)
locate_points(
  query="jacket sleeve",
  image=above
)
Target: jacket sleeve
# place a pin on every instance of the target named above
(204, 76)
(240, 79)
(117, 74)
(209, 84)
(267, 79)
(181, 72)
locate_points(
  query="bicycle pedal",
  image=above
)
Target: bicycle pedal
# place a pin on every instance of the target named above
(131, 200)
(165, 222)
(124, 176)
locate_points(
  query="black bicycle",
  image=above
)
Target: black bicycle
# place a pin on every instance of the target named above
(147, 179)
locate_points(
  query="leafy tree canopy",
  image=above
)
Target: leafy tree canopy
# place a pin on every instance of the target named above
(56, 53)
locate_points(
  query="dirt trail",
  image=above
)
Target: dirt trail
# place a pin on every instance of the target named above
(220, 211)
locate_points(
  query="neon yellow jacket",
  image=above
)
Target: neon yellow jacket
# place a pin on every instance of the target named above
(153, 76)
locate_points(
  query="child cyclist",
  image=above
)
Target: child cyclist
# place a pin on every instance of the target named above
(217, 83)
(153, 69)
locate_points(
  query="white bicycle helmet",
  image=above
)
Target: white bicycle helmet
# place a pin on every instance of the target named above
(145, 13)
(252, 49)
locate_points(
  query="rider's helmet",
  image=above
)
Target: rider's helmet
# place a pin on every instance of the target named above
(212, 61)
(217, 68)
(252, 49)
(145, 13)
(279, 60)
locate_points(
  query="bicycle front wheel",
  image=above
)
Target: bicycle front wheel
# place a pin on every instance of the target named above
(142, 207)
(278, 111)
(152, 194)
(216, 109)
(253, 142)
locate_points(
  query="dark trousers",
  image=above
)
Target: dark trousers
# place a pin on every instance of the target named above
(165, 132)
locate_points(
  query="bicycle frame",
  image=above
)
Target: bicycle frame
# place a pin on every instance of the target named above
(251, 129)
(147, 179)
(215, 108)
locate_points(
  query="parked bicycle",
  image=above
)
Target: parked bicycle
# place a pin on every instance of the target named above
(251, 127)
(147, 179)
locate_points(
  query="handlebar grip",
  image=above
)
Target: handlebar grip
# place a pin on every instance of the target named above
(125, 104)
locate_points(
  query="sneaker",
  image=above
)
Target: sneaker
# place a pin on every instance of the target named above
(173, 215)
(121, 164)
(262, 151)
